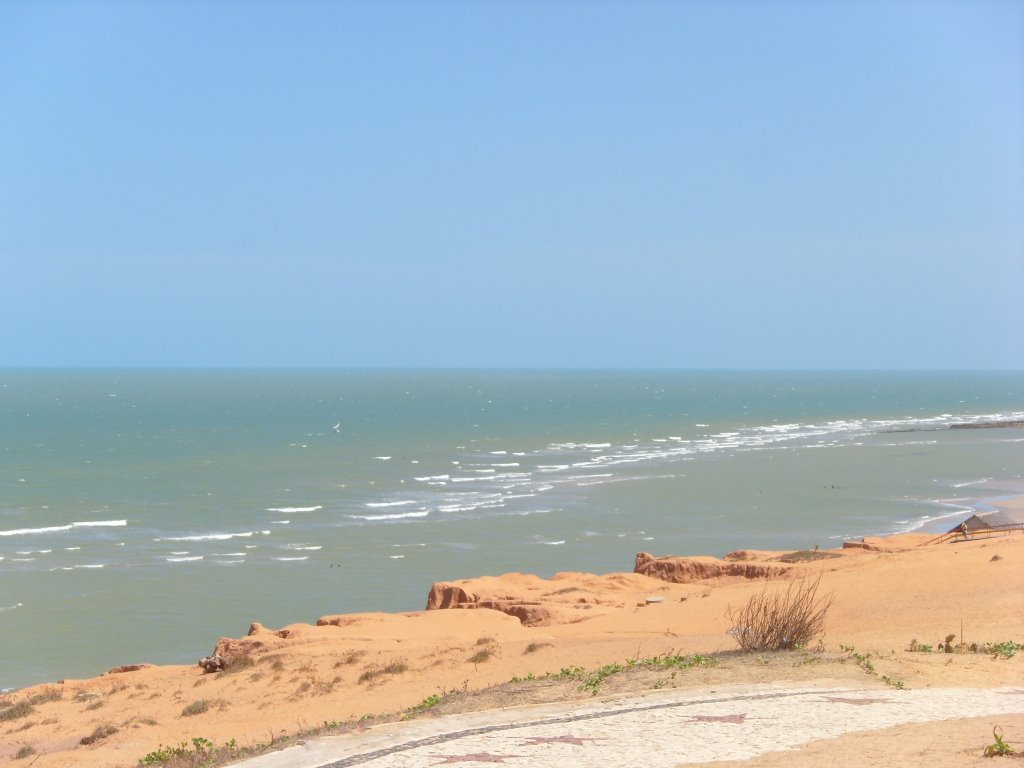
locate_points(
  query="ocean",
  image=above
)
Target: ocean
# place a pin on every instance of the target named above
(145, 513)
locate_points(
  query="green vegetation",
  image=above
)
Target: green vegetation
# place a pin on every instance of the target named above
(1000, 748)
(592, 681)
(1006, 650)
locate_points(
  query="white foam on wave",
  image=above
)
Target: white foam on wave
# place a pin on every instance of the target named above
(293, 510)
(973, 482)
(291, 559)
(385, 504)
(183, 559)
(398, 516)
(303, 547)
(213, 536)
(10, 607)
(90, 565)
(70, 526)
(396, 557)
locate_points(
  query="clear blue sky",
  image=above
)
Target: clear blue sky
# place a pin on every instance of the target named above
(512, 184)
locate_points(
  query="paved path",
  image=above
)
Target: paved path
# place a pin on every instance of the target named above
(657, 729)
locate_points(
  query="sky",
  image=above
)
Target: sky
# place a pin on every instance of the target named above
(555, 184)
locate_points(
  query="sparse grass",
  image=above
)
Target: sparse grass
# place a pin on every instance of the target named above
(484, 640)
(484, 654)
(396, 667)
(44, 697)
(349, 658)
(781, 620)
(236, 665)
(26, 751)
(277, 665)
(534, 647)
(805, 556)
(196, 708)
(99, 703)
(101, 732)
(13, 712)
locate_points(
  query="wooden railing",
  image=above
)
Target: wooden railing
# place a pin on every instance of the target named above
(974, 533)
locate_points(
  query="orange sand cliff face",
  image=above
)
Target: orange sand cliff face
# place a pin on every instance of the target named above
(487, 630)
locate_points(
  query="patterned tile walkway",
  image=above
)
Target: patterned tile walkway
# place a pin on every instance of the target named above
(659, 729)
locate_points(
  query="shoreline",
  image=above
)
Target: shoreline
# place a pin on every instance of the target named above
(491, 629)
(1013, 503)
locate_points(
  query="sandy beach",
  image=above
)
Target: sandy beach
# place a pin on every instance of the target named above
(891, 595)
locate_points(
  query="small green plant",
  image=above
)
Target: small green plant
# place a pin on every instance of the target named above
(863, 659)
(593, 681)
(916, 647)
(1000, 748)
(571, 673)
(196, 708)
(427, 704)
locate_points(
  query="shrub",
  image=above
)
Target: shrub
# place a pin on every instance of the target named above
(781, 619)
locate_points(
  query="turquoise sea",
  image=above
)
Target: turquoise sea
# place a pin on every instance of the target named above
(144, 514)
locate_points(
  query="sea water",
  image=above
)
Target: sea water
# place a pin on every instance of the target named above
(144, 514)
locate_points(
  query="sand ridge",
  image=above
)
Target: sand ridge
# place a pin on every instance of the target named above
(887, 593)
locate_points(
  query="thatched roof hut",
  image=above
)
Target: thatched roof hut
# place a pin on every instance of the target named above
(981, 521)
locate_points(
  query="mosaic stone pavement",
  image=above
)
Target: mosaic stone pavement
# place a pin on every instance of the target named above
(663, 728)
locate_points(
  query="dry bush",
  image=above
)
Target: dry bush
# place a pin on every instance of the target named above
(781, 619)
